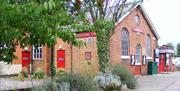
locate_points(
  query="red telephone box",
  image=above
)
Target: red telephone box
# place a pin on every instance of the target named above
(60, 59)
(26, 59)
(161, 63)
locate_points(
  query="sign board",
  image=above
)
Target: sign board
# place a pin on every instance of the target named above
(85, 34)
(156, 53)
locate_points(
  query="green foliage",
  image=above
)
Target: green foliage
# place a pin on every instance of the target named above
(126, 76)
(74, 82)
(178, 49)
(60, 72)
(33, 22)
(53, 69)
(46, 86)
(24, 72)
(103, 31)
(78, 82)
(38, 75)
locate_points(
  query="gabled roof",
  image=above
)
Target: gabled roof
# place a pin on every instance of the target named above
(143, 11)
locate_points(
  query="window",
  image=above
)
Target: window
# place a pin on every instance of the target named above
(148, 46)
(88, 55)
(137, 19)
(138, 54)
(37, 52)
(124, 42)
(89, 40)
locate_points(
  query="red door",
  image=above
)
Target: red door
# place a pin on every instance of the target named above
(26, 59)
(60, 59)
(137, 70)
(161, 63)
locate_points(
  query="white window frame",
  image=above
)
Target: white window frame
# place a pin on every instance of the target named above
(137, 20)
(138, 62)
(125, 57)
(124, 43)
(37, 53)
(148, 46)
(89, 40)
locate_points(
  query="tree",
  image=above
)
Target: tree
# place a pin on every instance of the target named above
(178, 49)
(102, 16)
(170, 44)
(34, 22)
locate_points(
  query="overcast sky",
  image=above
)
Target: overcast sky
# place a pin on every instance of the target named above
(165, 15)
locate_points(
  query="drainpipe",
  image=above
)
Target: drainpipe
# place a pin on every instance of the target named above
(71, 58)
(52, 62)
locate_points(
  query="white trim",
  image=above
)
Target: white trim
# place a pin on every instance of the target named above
(137, 63)
(148, 58)
(153, 29)
(38, 53)
(125, 57)
(124, 16)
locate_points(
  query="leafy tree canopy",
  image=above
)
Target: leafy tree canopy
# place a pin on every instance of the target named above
(33, 22)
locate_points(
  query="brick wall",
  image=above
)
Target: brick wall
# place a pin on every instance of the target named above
(134, 39)
(76, 56)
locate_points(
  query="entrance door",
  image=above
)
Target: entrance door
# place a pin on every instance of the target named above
(137, 70)
(138, 60)
(26, 59)
(60, 59)
(161, 63)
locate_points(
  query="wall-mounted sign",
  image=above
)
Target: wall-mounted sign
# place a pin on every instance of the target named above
(137, 29)
(85, 34)
(144, 60)
(156, 52)
(132, 60)
(88, 55)
(157, 60)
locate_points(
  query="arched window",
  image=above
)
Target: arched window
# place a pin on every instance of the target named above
(138, 54)
(124, 42)
(137, 19)
(148, 46)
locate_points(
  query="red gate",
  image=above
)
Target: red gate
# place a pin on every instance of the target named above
(26, 59)
(60, 59)
(161, 63)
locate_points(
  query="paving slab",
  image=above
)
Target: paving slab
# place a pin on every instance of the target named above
(160, 82)
(9, 84)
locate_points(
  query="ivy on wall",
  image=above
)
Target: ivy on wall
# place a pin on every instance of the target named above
(104, 30)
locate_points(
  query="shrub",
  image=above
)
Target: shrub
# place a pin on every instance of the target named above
(60, 72)
(76, 82)
(47, 85)
(108, 82)
(24, 72)
(68, 82)
(126, 76)
(38, 75)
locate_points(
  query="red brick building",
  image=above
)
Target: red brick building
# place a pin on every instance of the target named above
(133, 42)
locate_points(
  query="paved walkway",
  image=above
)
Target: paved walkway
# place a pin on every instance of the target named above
(160, 82)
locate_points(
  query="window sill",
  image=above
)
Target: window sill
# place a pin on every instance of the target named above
(38, 59)
(149, 58)
(125, 57)
(137, 63)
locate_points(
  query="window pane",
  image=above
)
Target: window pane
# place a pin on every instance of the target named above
(148, 46)
(37, 52)
(138, 53)
(124, 42)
